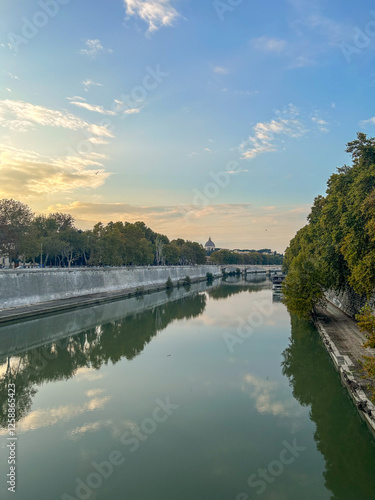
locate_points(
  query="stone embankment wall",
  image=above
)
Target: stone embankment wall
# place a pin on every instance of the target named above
(35, 286)
(19, 337)
(349, 301)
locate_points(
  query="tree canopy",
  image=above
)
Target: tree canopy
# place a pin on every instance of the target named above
(336, 249)
(54, 240)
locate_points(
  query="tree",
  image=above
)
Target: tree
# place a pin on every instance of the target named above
(302, 287)
(366, 323)
(15, 220)
(339, 239)
(159, 247)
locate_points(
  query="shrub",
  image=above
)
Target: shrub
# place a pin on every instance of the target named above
(139, 292)
(187, 281)
(169, 284)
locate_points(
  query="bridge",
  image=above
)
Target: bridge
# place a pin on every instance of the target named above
(252, 269)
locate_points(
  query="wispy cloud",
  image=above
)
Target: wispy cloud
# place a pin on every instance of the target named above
(301, 62)
(269, 398)
(226, 221)
(156, 13)
(370, 121)
(268, 44)
(93, 107)
(120, 105)
(320, 123)
(27, 115)
(220, 70)
(28, 174)
(308, 18)
(265, 134)
(90, 83)
(93, 48)
(14, 77)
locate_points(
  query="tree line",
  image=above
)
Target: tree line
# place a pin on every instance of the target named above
(252, 257)
(336, 248)
(53, 240)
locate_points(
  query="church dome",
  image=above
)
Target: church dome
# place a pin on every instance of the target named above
(210, 243)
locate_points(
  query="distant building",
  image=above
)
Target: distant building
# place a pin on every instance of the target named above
(210, 246)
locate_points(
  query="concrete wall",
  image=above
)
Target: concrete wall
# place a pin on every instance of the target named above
(35, 286)
(349, 301)
(22, 336)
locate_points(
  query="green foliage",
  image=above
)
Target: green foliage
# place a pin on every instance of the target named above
(15, 219)
(187, 281)
(250, 258)
(366, 323)
(140, 291)
(54, 240)
(169, 284)
(302, 288)
(209, 277)
(339, 239)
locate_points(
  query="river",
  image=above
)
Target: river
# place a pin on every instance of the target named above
(200, 393)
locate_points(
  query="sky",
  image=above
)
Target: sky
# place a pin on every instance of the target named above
(219, 118)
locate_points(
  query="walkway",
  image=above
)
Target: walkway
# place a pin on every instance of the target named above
(344, 342)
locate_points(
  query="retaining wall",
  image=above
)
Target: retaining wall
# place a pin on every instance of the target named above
(349, 301)
(34, 286)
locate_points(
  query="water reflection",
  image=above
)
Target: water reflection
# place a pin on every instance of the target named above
(341, 436)
(87, 351)
(235, 411)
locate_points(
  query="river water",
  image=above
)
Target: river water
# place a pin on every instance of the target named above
(207, 393)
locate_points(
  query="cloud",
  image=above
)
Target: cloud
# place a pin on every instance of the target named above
(370, 121)
(78, 432)
(269, 398)
(27, 115)
(267, 44)
(265, 134)
(48, 417)
(28, 174)
(156, 13)
(90, 83)
(321, 124)
(93, 48)
(220, 70)
(132, 111)
(95, 108)
(76, 98)
(234, 225)
(302, 62)
(13, 76)
(308, 17)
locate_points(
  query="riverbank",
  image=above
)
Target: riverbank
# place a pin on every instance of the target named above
(344, 343)
(32, 293)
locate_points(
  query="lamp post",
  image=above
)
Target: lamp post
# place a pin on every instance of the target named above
(41, 255)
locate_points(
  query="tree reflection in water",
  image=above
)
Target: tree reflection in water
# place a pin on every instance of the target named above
(348, 449)
(108, 342)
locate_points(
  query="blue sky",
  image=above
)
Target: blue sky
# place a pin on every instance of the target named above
(221, 118)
